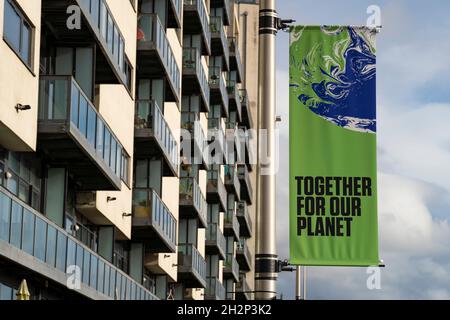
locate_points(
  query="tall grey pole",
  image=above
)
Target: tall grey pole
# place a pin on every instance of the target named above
(298, 283)
(266, 257)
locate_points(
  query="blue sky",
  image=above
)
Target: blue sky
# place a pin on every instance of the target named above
(413, 70)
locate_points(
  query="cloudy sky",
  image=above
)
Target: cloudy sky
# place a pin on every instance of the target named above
(413, 56)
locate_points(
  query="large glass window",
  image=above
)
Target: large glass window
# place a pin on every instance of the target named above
(17, 31)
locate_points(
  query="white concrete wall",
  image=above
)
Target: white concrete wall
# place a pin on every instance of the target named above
(19, 84)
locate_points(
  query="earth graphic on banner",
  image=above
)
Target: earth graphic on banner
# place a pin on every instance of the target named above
(334, 77)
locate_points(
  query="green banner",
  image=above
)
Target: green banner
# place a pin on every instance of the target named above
(333, 166)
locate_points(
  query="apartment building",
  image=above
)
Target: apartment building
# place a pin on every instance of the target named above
(125, 156)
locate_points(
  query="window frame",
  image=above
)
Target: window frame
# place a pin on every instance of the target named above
(24, 20)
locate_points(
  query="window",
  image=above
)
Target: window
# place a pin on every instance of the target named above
(18, 32)
(23, 177)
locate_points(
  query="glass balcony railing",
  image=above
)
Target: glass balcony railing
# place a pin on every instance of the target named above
(235, 56)
(216, 131)
(61, 100)
(235, 100)
(192, 63)
(232, 180)
(176, 6)
(246, 184)
(231, 266)
(214, 289)
(245, 221)
(242, 288)
(247, 118)
(191, 195)
(150, 210)
(102, 20)
(193, 260)
(149, 116)
(217, 82)
(218, 31)
(23, 228)
(190, 121)
(203, 16)
(152, 36)
(215, 237)
(231, 226)
(216, 188)
(244, 256)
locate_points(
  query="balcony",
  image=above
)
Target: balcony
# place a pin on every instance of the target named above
(219, 42)
(192, 201)
(246, 185)
(243, 291)
(215, 241)
(31, 240)
(153, 223)
(235, 58)
(174, 16)
(214, 289)
(225, 4)
(216, 192)
(245, 221)
(216, 133)
(196, 21)
(246, 115)
(235, 99)
(153, 136)
(195, 81)
(155, 57)
(232, 181)
(243, 256)
(72, 134)
(191, 267)
(191, 122)
(219, 93)
(231, 225)
(234, 140)
(98, 26)
(231, 268)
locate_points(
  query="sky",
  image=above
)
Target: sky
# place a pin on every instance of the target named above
(413, 106)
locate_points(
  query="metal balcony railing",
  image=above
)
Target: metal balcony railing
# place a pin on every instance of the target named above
(150, 211)
(152, 36)
(52, 247)
(149, 116)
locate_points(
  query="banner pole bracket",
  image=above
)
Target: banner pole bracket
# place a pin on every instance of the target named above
(284, 24)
